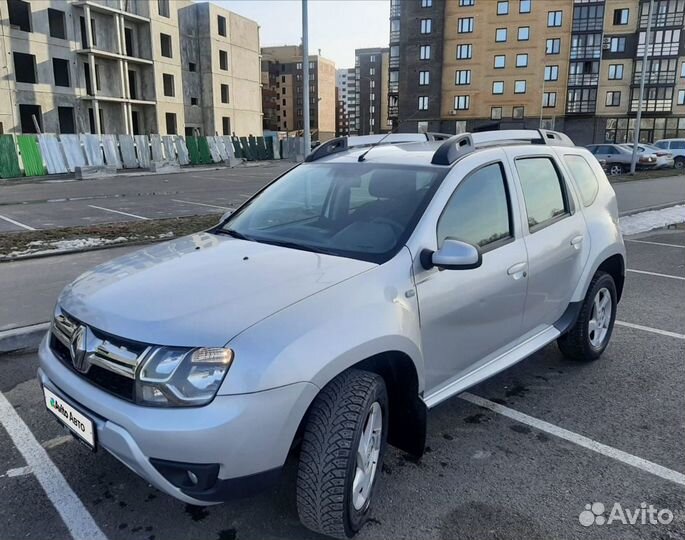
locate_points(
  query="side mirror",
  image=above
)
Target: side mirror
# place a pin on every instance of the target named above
(225, 216)
(453, 255)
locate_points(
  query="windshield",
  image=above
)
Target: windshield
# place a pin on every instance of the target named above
(360, 210)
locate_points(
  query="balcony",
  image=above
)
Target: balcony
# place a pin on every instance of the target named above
(661, 20)
(395, 36)
(583, 79)
(394, 62)
(656, 77)
(394, 9)
(652, 105)
(587, 51)
(587, 106)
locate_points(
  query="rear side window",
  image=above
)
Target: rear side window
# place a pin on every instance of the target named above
(584, 176)
(662, 144)
(542, 191)
(465, 218)
(677, 145)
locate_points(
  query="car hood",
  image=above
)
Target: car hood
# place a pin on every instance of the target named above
(200, 290)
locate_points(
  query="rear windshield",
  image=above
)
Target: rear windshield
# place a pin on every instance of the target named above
(360, 210)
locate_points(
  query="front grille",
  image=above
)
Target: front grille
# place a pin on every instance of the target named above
(111, 362)
(104, 379)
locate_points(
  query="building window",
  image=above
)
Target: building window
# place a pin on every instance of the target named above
(517, 112)
(425, 52)
(522, 60)
(520, 87)
(462, 103)
(298, 65)
(25, 68)
(163, 8)
(554, 18)
(549, 99)
(465, 25)
(168, 83)
(60, 70)
(426, 25)
(424, 78)
(682, 71)
(621, 16)
(170, 123)
(524, 33)
(495, 113)
(616, 72)
(192, 66)
(681, 97)
(613, 99)
(663, 43)
(553, 46)
(426, 3)
(464, 52)
(423, 103)
(223, 60)
(224, 93)
(500, 35)
(19, 14)
(503, 7)
(194, 101)
(466, 3)
(56, 23)
(26, 115)
(524, 6)
(500, 61)
(372, 59)
(462, 77)
(551, 73)
(617, 44)
(165, 42)
(372, 71)
(66, 119)
(497, 88)
(98, 86)
(226, 125)
(221, 25)
(581, 100)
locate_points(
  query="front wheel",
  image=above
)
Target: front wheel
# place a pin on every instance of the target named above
(589, 336)
(342, 453)
(679, 163)
(615, 169)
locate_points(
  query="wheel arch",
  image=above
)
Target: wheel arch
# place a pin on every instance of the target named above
(615, 267)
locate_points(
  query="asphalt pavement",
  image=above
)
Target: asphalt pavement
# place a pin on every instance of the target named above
(549, 438)
(48, 205)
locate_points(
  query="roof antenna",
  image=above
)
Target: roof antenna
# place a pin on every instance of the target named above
(361, 157)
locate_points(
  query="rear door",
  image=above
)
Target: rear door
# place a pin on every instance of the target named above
(554, 233)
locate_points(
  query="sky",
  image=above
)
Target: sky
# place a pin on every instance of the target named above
(337, 27)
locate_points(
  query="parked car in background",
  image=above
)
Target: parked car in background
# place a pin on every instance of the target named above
(676, 147)
(618, 158)
(664, 158)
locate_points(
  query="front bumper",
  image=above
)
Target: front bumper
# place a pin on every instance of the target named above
(247, 436)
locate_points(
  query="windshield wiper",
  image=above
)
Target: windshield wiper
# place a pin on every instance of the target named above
(294, 245)
(234, 234)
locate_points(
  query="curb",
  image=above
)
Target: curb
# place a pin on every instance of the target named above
(650, 208)
(22, 338)
(57, 253)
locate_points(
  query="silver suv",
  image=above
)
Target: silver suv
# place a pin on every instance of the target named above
(332, 310)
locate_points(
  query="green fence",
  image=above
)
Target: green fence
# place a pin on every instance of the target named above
(31, 155)
(9, 163)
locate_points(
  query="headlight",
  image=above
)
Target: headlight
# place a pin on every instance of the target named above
(175, 377)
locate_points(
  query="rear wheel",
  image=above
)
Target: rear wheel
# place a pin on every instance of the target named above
(342, 453)
(590, 335)
(680, 162)
(615, 169)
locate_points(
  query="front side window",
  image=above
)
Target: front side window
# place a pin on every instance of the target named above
(542, 191)
(584, 176)
(463, 217)
(361, 210)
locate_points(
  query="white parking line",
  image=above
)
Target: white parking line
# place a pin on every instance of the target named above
(202, 204)
(650, 329)
(70, 508)
(117, 212)
(10, 220)
(654, 243)
(657, 274)
(580, 440)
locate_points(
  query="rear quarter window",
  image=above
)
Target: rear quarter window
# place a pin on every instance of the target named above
(584, 176)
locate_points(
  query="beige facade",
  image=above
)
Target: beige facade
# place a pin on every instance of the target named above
(125, 72)
(282, 91)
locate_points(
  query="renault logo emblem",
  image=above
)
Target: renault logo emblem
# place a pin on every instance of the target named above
(78, 349)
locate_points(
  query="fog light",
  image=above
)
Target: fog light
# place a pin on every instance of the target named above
(192, 477)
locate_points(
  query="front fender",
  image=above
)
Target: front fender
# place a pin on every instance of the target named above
(316, 339)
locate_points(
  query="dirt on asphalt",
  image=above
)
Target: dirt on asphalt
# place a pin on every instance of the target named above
(21, 244)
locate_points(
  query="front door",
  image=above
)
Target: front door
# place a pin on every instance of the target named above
(467, 315)
(556, 241)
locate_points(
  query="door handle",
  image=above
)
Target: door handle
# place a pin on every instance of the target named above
(576, 241)
(518, 270)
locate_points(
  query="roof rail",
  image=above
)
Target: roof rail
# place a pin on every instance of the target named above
(465, 143)
(339, 144)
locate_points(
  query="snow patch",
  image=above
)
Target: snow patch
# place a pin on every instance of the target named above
(652, 219)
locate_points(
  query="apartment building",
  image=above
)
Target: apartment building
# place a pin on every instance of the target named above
(371, 90)
(119, 66)
(572, 65)
(282, 92)
(342, 95)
